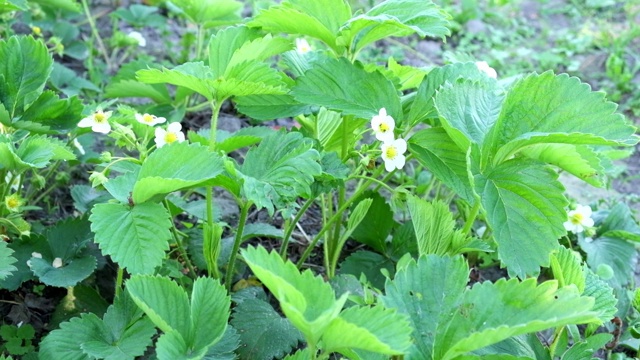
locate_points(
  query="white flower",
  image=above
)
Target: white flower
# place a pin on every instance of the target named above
(98, 121)
(302, 46)
(484, 67)
(172, 134)
(392, 154)
(36, 255)
(78, 146)
(383, 125)
(57, 263)
(138, 37)
(149, 119)
(579, 219)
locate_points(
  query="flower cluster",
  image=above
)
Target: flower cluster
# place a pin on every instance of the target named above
(393, 149)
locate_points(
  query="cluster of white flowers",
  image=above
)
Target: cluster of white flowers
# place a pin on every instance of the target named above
(393, 149)
(99, 122)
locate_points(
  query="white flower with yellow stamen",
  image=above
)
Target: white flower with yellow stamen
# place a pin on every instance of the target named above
(393, 154)
(579, 219)
(485, 68)
(302, 46)
(383, 126)
(13, 202)
(149, 119)
(171, 135)
(98, 121)
(142, 42)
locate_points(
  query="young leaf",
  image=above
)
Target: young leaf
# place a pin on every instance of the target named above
(192, 75)
(264, 334)
(580, 160)
(209, 313)
(340, 85)
(434, 225)
(435, 150)
(395, 18)
(307, 301)
(547, 108)
(135, 237)
(279, 170)
(427, 291)
(377, 224)
(6, 261)
(374, 329)
(166, 170)
(567, 268)
(49, 114)
(25, 65)
(525, 208)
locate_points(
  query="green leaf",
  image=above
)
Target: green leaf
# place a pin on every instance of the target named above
(395, 18)
(271, 106)
(241, 138)
(226, 347)
(249, 78)
(225, 43)
(305, 17)
(373, 329)
(72, 272)
(209, 313)
(620, 222)
(493, 312)
(614, 252)
(279, 170)
(13, 5)
(66, 80)
(433, 224)
(587, 349)
(435, 150)
(192, 75)
(468, 110)
(547, 108)
(427, 291)
(25, 65)
(338, 84)
(6, 261)
(23, 248)
(377, 224)
(307, 301)
(164, 302)
(567, 268)
(135, 237)
(68, 5)
(210, 13)
(605, 300)
(33, 152)
(580, 160)
(524, 205)
(50, 114)
(369, 264)
(166, 170)
(63, 343)
(422, 106)
(133, 88)
(264, 334)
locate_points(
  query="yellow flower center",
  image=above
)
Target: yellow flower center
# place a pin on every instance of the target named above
(13, 202)
(384, 127)
(147, 118)
(36, 30)
(576, 219)
(170, 137)
(391, 152)
(99, 117)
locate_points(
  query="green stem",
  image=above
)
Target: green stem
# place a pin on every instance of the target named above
(94, 31)
(380, 183)
(215, 107)
(119, 278)
(292, 225)
(334, 218)
(236, 244)
(557, 334)
(210, 225)
(199, 41)
(472, 217)
(181, 250)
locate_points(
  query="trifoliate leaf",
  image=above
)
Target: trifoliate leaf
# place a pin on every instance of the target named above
(615, 252)
(377, 224)
(279, 170)
(307, 301)
(567, 268)
(23, 248)
(605, 300)
(337, 84)
(264, 334)
(135, 237)
(525, 208)
(369, 264)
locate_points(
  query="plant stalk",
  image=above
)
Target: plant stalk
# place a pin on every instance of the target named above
(292, 225)
(119, 279)
(236, 244)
